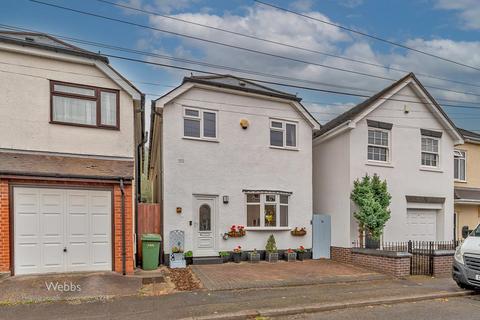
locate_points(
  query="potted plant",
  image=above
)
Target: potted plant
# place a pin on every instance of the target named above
(290, 255)
(177, 253)
(254, 256)
(189, 257)
(225, 255)
(301, 253)
(237, 254)
(271, 254)
(236, 232)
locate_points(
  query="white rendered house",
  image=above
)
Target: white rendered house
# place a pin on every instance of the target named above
(402, 135)
(226, 151)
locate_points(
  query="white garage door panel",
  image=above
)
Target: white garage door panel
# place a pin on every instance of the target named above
(47, 221)
(422, 224)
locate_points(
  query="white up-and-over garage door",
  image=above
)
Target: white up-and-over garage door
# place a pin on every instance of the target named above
(62, 230)
(422, 224)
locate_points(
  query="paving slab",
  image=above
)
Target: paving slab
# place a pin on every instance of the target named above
(28, 289)
(230, 276)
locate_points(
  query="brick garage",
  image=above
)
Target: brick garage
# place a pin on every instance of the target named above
(5, 223)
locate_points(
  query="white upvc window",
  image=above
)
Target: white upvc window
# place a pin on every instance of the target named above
(200, 123)
(378, 145)
(269, 210)
(430, 151)
(283, 134)
(460, 165)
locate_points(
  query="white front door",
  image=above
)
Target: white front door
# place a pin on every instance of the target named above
(205, 211)
(61, 230)
(422, 224)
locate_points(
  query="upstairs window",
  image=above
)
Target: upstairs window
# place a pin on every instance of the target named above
(84, 105)
(430, 154)
(460, 164)
(283, 134)
(199, 123)
(378, 145)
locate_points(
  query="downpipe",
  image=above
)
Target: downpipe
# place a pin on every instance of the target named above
(124, 246)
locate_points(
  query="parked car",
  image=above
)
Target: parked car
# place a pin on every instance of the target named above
(466, 265)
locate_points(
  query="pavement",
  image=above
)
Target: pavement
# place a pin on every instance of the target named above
(245, 303)
(232, 276)
(79, 286)
(438, 309)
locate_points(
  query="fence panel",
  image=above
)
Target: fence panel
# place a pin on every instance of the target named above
(149, 221)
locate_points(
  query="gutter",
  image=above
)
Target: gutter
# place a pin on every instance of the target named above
(124, 249)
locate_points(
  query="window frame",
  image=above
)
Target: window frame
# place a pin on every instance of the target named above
(388, 147)
(262, 203)
(423, 136)
(283, 129)
(199, 118)
(97, 98)
(464, 158)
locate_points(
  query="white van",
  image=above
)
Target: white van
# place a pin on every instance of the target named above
(466, 265)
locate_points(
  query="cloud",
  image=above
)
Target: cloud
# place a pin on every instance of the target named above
(468, 11)
(163, 6)
(294, 30)
(302, 5)
(326, 112)
(350, 3)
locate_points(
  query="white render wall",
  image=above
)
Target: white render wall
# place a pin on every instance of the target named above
(404, 174)
(241, 159)
(25, 109)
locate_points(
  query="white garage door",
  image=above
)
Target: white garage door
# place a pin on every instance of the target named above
(62, 230)
(421, 224)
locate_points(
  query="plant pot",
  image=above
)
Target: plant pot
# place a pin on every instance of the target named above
(226, 258)
(271, 256)
(254, 257)
(290, 257)
(189, 260)
(178, 256)
(302, 255)
(237, 257)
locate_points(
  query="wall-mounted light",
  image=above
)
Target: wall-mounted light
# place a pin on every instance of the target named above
(225, 199)
(244, 124)
(406, 109)
(179, 210)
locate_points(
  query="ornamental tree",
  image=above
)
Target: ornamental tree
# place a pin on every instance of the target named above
(372, 198)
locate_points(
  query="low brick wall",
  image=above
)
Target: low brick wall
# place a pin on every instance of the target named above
(442, 263)
(341, 254)
(393, 263)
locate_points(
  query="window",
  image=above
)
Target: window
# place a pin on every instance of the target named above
(378, 145)
(430, 154)
(283, 134)
(84, 105)
(460, 163)
(201, 124)
(267, 210)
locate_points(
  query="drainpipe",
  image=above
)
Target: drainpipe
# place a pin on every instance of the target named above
(138, 175)
(124, 249)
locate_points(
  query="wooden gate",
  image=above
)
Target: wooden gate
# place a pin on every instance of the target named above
(149, 221)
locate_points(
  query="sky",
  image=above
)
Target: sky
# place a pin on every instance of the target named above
(447, 28)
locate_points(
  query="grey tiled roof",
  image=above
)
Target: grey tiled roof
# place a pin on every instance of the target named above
(469, 135)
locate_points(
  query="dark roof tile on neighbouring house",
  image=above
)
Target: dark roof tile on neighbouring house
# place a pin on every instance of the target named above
(45, 165)
(469, 135)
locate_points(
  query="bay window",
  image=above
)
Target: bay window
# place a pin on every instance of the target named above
(269, 210)
(83, 105)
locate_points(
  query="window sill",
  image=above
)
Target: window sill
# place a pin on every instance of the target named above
(84, 125)
(379, 164)
(460, 181)
(432, 169)
(284, 148)
(201, 139)
(267, 228)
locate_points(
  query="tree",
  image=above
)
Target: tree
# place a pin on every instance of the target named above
(271, 244)
(372, 198)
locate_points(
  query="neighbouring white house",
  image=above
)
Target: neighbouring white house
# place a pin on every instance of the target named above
(70, 126)
(226, 151)
(401, 134)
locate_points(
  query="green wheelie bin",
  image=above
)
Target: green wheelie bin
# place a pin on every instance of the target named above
(150, 250)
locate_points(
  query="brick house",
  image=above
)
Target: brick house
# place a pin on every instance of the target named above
(68, 156)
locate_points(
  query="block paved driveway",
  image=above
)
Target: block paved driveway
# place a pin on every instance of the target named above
(246, 275)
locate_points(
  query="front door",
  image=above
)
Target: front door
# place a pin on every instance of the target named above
(205, 215)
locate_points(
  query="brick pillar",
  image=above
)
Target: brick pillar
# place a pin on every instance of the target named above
(128, 228)
(4, 227)
(442, 263)
(341, 254)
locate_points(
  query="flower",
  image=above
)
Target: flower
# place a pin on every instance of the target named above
(301, 249)
(237, 249)
(290, 250)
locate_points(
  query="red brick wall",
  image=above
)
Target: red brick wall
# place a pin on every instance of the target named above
(117, 234)
(397, 267)
(442, 266)
(4, 228)
(341, 254)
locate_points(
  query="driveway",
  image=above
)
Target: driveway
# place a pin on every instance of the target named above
(67, 286)
(246, 275)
